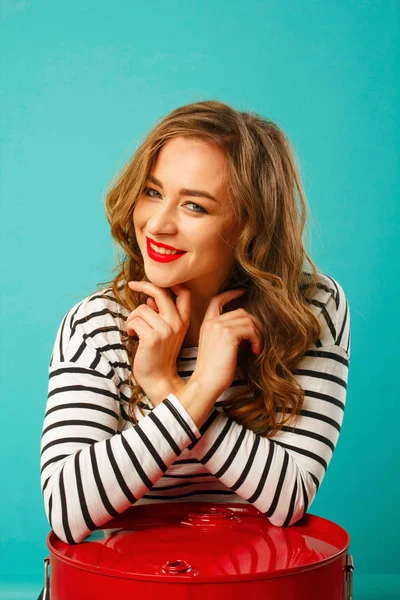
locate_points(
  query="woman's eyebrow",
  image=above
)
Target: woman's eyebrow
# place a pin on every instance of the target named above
(184, 191)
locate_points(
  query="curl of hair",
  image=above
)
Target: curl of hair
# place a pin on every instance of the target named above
(269, 206)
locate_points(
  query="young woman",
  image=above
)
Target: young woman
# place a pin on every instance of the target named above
(217, 373)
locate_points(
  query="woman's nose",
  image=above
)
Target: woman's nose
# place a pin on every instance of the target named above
(162, 218)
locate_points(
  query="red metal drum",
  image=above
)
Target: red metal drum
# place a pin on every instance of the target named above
(202, 551)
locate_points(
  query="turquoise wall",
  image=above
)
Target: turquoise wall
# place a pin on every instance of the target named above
(82, 83)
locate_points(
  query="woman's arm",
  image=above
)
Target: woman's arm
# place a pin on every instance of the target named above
(280, 475)
(90, 470)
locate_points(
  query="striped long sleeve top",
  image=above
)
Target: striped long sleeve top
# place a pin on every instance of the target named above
(95, 462)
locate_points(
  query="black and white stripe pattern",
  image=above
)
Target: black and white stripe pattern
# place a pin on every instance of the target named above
(95, 463)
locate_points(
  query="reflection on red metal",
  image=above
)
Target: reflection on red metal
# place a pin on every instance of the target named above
(203, 551)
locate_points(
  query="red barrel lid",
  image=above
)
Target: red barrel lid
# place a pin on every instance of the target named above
(201, 540)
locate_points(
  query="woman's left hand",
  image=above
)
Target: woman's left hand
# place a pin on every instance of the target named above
(220, 338)
(161, 333)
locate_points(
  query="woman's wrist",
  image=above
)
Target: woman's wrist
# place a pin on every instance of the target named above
(166, 387)
(210, 389)
(197, 400)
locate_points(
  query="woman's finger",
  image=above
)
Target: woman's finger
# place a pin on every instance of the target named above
(217, 302)
(243, 329)
(152, 304)
(183, 301)
(142, 329)
(166, 306)
(239, 313)
(150, 317)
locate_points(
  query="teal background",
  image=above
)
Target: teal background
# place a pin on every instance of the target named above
(82, 83)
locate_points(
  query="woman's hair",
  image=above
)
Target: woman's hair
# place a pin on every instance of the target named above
(265, 193)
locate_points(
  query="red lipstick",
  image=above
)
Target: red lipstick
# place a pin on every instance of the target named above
(162, 257)
(163, 245)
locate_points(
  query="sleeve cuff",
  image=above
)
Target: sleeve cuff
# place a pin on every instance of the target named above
(182, 416)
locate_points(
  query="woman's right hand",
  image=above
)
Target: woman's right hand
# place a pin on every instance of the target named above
(161, 333)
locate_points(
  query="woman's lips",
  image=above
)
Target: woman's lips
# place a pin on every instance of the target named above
(161, 245)
(162, 257)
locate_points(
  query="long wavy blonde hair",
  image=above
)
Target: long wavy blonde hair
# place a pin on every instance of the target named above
(266, 193)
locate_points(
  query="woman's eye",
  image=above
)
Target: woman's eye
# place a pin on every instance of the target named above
(198, 206)
(147, 190)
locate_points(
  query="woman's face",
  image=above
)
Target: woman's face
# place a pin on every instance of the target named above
(196, 224)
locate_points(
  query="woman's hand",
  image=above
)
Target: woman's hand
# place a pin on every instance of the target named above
(161, 326)
(220, 337)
